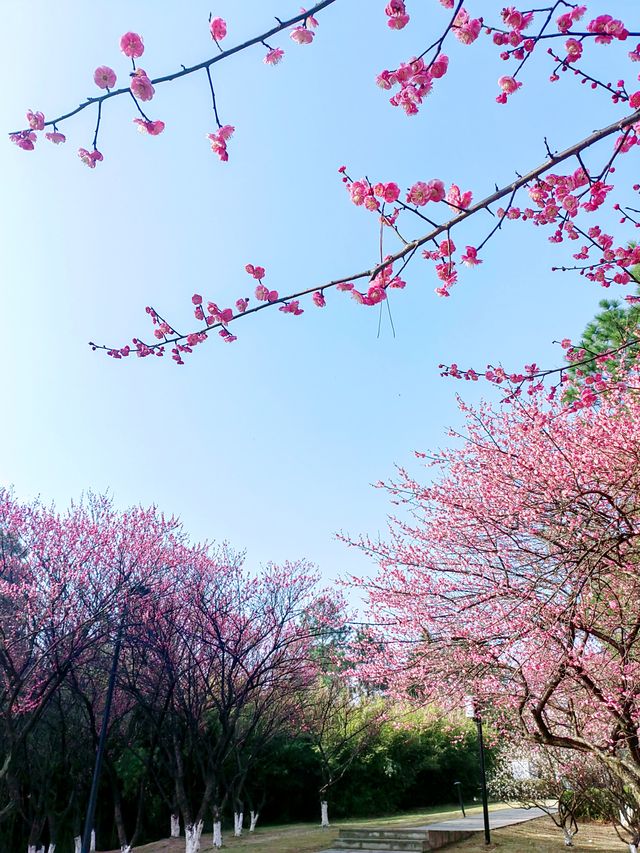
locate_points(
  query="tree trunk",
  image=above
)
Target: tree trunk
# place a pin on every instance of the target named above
(254, 820)
(92, 846)
(119, 820)
(175, 825)
(217, 834)
(51, 848)
(77, 841)
(238, 820)
(568, 836)
(34, 848)
(324, 813)
(192, 835)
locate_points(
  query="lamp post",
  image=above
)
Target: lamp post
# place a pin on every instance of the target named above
(140, 590)
(472, 713)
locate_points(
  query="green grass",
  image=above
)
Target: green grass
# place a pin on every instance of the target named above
(539, 835)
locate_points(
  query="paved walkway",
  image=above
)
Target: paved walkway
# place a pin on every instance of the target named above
(435, 835)
(497, 818)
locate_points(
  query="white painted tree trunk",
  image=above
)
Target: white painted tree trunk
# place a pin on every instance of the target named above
(254, 820)
(92, 846)
(568, 837)
(51, 848)
(324, 813)
(217, 834)
(175, 826)
(33, 848)
(633, 848)
(77, 844)
(238, 820)
(126, 849)
(192, 836)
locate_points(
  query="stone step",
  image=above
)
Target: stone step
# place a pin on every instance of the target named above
(379, 840)
(408, 834)
(390, 846)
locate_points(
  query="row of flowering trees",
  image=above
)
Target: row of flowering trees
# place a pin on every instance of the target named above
(212, 663)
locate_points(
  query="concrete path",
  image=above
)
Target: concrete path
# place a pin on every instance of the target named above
(430, 836)
(497, 818)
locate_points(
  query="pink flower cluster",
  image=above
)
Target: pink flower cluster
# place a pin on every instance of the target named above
(26, 139)
(397, 13)
(292, 307)
(303, 34)
(423, 192)
(568, 19)
(152, 128)
(255, 272)
(377, 290)
(36, 120)
(415, 80)
(141, 86)
(364, 193)
(219, 141)
(465, 28)
(458, 200)
(263, 294)
(90, 158)
(214, 316)
(607, 29)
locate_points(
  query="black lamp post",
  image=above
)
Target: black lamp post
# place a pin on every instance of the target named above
(473, 714)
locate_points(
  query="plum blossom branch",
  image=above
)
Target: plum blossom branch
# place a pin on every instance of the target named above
(379, 275)
(185, 71)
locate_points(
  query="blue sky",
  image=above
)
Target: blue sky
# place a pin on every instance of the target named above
(270, 443)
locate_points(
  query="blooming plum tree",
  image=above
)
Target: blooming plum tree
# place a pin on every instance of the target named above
(514, 577)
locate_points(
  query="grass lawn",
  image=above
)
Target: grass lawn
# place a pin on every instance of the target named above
(537, 835)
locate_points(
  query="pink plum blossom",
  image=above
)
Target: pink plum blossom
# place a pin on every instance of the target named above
(397, 14)
(466, 29)
(25, 139)
(104, 77)
(56, 137)
(141, 86)
(219, 141)
(301, 35)
(153, 128)
(218, 28)
(470, 257)
(421, 192)
(274, 56)
(36, 120)
(131, 45)
(90, 158)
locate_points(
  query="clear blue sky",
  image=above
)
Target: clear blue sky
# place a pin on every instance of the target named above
(270, 443)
